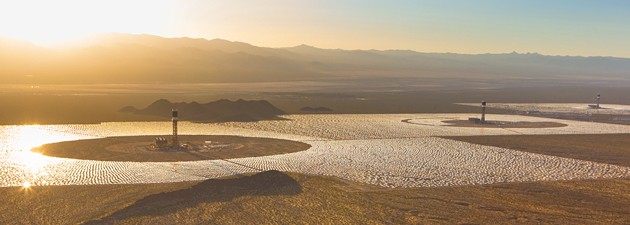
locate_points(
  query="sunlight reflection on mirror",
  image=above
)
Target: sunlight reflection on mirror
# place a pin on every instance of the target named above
(26, 137)
(33, 162)
(31, 136)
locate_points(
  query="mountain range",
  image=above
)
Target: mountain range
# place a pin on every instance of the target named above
(127, 58)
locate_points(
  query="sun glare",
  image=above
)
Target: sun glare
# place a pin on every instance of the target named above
(33, 162)
(35, 167)
(31, 136)
(27, 137)
(58, 22)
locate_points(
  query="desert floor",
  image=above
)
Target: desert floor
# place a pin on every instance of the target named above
(138, 148)
(95, 104)
(276, 197)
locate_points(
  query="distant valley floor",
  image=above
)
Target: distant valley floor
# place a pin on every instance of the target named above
(101, 103)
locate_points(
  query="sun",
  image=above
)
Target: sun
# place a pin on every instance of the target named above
(52, 22)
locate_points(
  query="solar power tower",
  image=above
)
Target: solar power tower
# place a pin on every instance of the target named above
(483, 111)
(175, 119)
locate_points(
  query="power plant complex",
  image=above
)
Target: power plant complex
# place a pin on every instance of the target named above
(162, 143)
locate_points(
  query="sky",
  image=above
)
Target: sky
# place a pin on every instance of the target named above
(551, 27)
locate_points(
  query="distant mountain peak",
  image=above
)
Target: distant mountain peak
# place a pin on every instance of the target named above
(162, 101)
(305, 46)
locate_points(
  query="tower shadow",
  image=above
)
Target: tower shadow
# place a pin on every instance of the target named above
(266, 183)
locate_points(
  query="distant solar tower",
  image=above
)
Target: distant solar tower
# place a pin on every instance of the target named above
(596, 105)
(597, 100)
(483, 111)
(175, 119)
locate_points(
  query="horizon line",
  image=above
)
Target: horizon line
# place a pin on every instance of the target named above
(64, 46)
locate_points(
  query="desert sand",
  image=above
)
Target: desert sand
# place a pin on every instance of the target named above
(276, 197)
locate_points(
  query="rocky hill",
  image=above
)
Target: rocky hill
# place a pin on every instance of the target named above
(218, 111)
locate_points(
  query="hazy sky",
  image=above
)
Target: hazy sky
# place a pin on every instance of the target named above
(554, 27)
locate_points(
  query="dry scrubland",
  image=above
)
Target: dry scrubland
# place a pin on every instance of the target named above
(604, 148)
(275, 197)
